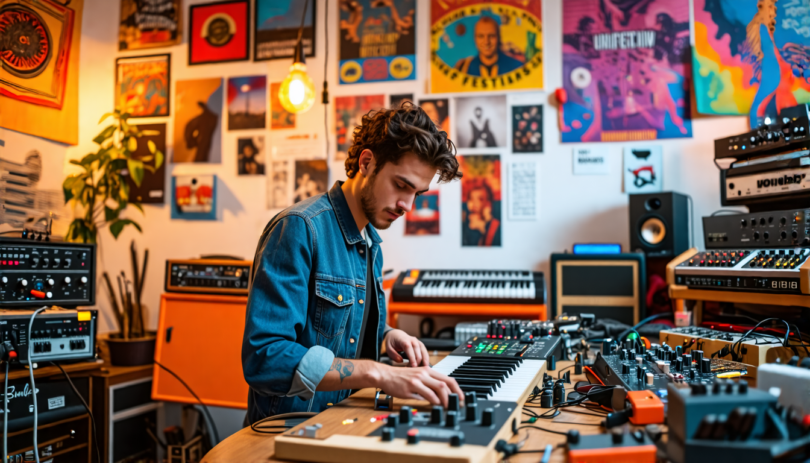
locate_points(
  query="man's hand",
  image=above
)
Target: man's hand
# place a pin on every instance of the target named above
(421, 382)
(397, 341)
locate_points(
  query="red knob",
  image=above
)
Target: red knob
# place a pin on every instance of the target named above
(37, 294)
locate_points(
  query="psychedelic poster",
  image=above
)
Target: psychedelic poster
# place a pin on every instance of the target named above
(349, 112)
(377, 41)
(276, 29)
(479, 45)
(149, 24)
(626, 70)
(423, 218)
(247, 102)
(481, 200)
(142, 85)
(751, 57)
(197, 115)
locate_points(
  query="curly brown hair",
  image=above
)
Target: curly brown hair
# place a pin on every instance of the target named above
(390, 133)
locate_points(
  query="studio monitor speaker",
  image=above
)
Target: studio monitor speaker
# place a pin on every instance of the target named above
(659, 224)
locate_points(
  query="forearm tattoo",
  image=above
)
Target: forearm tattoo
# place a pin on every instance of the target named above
(344, 368)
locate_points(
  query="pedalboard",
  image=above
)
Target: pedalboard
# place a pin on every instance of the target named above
(785, 229)
(36, 273)
(208, 276)
(57, 334)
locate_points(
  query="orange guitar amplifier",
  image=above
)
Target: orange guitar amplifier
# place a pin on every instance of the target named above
(200, 339)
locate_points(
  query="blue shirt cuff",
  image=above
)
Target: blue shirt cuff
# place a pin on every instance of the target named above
(310, 371)
(387, 329)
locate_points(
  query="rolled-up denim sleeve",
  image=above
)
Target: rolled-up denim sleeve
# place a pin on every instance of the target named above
(273, 362)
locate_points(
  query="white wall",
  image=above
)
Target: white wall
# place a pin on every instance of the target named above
(571, 209)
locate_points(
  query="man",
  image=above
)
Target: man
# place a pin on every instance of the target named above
(491, 61)
(316, 310)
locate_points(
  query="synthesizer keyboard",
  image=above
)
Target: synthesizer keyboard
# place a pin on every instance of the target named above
(761, 270)
(470, 286)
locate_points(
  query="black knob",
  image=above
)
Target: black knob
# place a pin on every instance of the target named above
(783, 234)
(640, 373)
(783, 220)
(472, 411)
(625, 369)
(794, 234)
(436, 414)
(617, 436)
(470, 398)
(393, 420)
(742, 386)
(717, 387)
(756, 235)
(572, 437)
(405, 416)
(551, 363)
(387, 434)
(744, 222)
(488, 417)
(678, 350)
(698, 356)
(452, 403)
(413, 436)
(687, 361)
(766, 235)
(623, 354)
(452, 419)
(457, 440)
(692, 375)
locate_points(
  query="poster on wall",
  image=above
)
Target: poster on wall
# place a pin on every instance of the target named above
(153, 185)
(626, 70)
(527, 129)
(438, 110)
(247, 102)
(481, 121)
(349, 112)
(197, 115)
(219, 32)
(397, 100)
(278, 185)
(481, 200)
(591, 160)
(149, 24)
(142, 85)
(523, 191)
(39, 75)
(423, 218)
(751, 57)
(643, 169)
(311, 178)
(277, 25)
(250, 155)
(280, 118)
(377, 41)
(480, 45)
(194, 197)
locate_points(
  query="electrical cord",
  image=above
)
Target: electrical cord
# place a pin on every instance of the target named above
(643, 322)
(801, 340)
(5, 415)
(736, 355)
(33, 385)
(86, 407)
(204, 407)
(284, 416)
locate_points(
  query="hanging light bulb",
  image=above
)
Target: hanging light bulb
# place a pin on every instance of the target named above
(297, 91)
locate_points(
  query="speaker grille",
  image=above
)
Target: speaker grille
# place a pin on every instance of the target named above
(653, 231)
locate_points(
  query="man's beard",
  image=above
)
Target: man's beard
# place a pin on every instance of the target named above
(369, 205)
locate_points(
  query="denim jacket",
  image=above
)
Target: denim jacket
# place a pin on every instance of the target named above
(306, 304)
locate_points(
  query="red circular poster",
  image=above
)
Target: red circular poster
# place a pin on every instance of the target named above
(218, 32)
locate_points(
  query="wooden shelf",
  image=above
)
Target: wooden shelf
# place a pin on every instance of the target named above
(17, 372)
(738, 297)
(529, 311)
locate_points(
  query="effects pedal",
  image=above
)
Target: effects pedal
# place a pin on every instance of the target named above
(632, 447)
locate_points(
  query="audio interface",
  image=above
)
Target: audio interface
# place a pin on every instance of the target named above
(758, 229)
(790, 129)
(56, 335)
(36, 273)
(208, 276)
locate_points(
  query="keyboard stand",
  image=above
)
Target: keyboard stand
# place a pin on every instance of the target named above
(494, 310)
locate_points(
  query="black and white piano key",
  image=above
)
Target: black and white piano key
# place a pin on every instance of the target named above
(493, 378)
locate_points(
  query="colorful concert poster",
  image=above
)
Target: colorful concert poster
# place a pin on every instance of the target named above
(527, 129)
(480, 45)
(277, 25)
(149, 24)
(423, 218)
(377, 41)
(439, 112)
(481, 200)
(219, 32)
(751, 57)
(626, 70)
(197, 115)
(247, 102)
(349, 112)
(280, 118)
(194, 197)
(142, 85)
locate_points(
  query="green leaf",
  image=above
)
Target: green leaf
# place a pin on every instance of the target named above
(117, 226)
(123, 192)
(138, 205)
(110, 214)
(149, 133)
(151, 145)
(105, 116)
(136, 171)
(158, 159)
(89, 159)
(132, 144)
(146, 159)
(149, 168)
(105, 134)
(67, 187)
(76, 162)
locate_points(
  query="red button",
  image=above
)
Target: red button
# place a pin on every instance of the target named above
(38, 294)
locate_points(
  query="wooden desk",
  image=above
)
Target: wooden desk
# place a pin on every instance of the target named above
(247, 446)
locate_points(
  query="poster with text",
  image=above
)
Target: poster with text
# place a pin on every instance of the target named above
(522, 190)
(279, 193)
(751, 57)
(527, 129)
(250, 155)
(377, 41)
(480, 121)
(438, 110)
(349, 112)
(277, 26)
(247, 102)
(479, 45)
(311, 178)
(423, 218)
(149, 24)
(197, 115)
(626, 70)
(219, 32)
(194, 197)
(481, 200)
(643, 169)
(280, 118)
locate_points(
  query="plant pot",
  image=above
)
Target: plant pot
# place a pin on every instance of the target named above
(131, 352)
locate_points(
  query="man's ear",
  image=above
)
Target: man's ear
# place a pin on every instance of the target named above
(365, 162)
